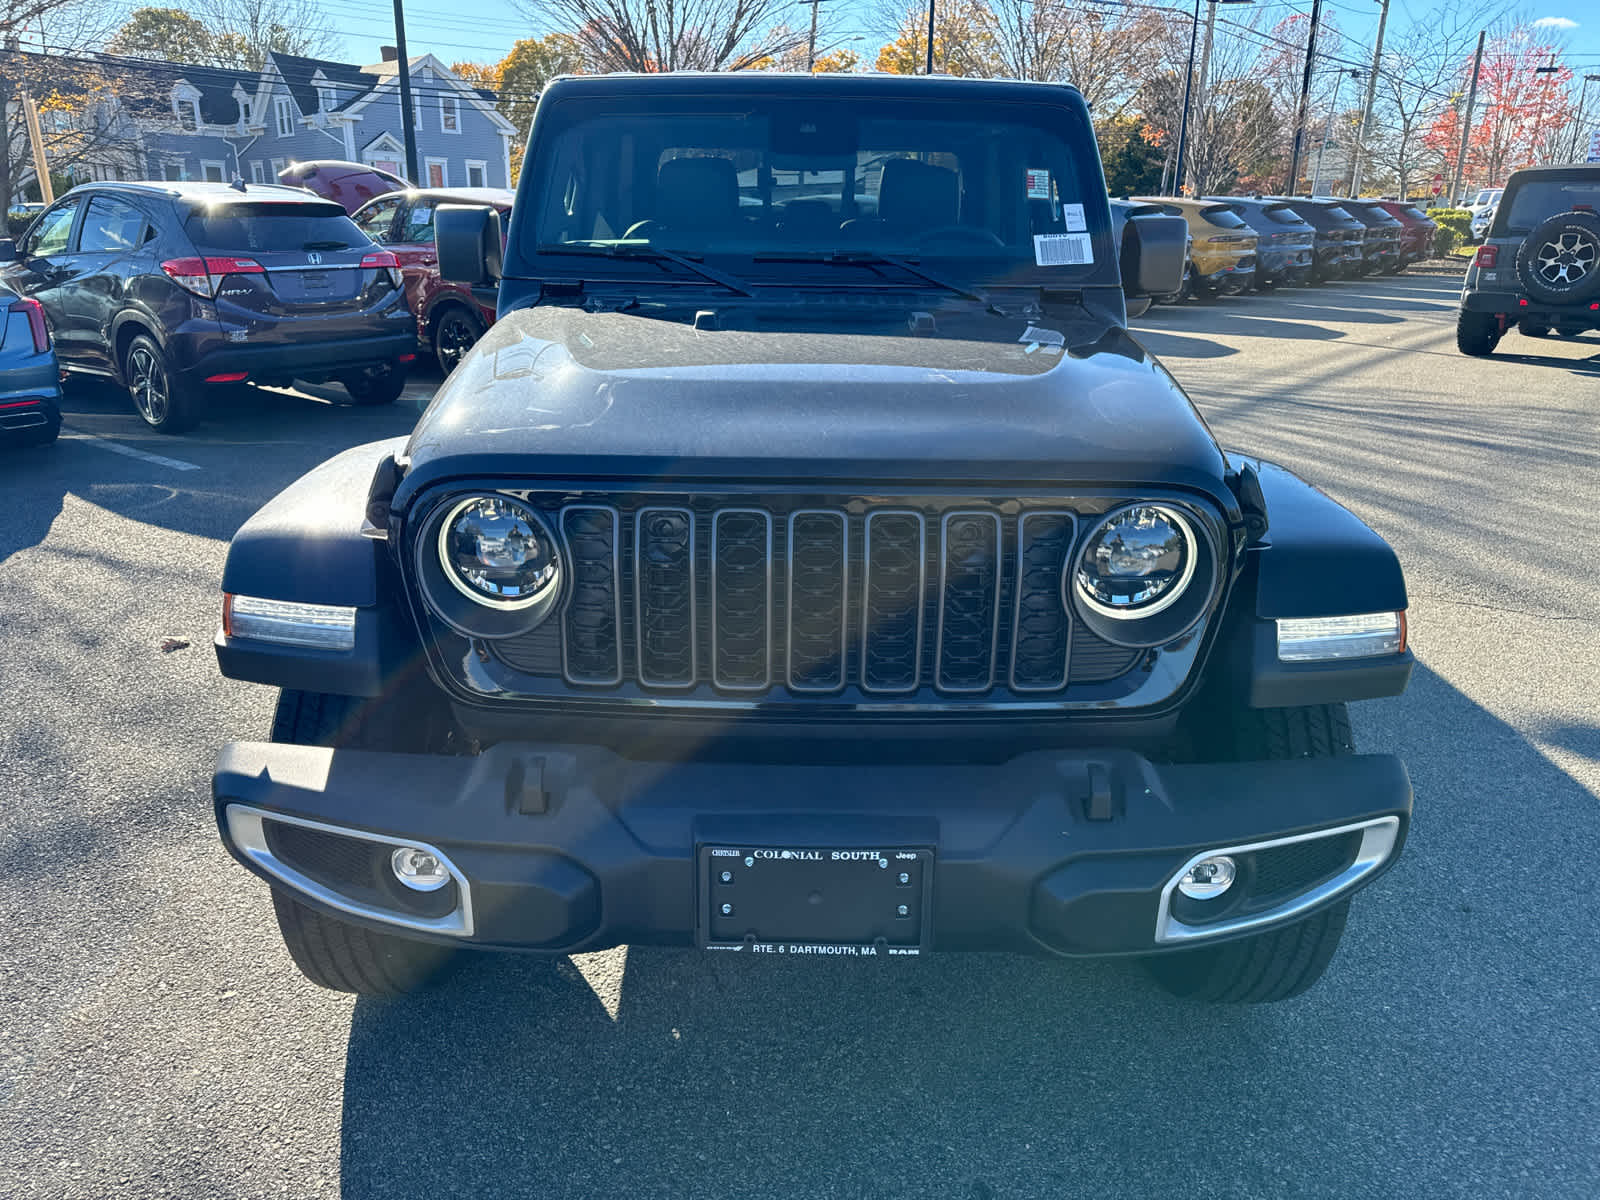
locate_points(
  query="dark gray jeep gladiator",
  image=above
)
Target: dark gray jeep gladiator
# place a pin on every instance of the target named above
(809, 562)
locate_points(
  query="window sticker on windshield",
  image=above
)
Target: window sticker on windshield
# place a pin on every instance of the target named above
(1038, 183)
(1062, 249)
(1075, 220)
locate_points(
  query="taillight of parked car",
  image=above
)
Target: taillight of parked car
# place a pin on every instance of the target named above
(203, 276)
(1487, 256)
(383, 260)
(36, 325)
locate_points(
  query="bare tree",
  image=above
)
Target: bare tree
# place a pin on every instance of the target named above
(1106, 53)
(670, 35)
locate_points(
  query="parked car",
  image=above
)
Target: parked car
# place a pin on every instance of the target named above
(1539, 267)
(1286, 251)
(756, 593)
(1339, 236)
(1153, 252)
(1486, 199)
(450, 318)
(348, 184)
(1223, 256)
(1417, 230)
(30, 379)
(176, 288)
(1380, 249)
(1480, 223)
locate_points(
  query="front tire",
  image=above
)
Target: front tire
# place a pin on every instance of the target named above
(163, 400)
(455, 331)
(1477, 334)
(1283, 962)
(331, 953)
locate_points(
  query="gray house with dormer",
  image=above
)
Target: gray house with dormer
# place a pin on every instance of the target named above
(210, 123)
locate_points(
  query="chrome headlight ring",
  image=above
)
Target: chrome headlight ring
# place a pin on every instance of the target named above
(489, 565)
(1179, 568)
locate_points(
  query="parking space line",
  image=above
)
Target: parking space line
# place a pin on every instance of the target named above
(160, 460)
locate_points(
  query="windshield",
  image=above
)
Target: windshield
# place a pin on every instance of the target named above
(1005, 192)
(1537, 199)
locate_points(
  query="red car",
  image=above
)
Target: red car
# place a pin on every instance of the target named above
(1416, 233)
(348, 184)
(449, 317)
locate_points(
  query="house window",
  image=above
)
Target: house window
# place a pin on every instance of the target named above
(477, 173)
(283, 115)
(437, 172)
(277, 166)
(174, 170)
(327, 98)
(450, 114)
(213, 171)
(189, 115)
(258, 173)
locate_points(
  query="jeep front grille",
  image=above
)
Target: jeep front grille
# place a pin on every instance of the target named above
(886, 601)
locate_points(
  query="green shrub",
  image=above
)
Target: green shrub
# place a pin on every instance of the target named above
(1455, 227)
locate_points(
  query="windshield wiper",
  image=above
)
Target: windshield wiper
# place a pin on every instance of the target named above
(871, 258)
(649, 254)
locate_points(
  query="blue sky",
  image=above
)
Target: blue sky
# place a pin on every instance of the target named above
(438, 26)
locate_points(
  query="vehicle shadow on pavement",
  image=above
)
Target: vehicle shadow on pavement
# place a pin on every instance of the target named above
(996, 1075)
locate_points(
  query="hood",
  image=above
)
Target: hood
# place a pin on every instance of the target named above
(865, 391)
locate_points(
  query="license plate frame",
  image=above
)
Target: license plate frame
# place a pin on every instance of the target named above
(815, 901)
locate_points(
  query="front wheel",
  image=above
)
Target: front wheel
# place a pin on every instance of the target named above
(351, 958)
(376, 385)
(1282, 962)
(455, 331)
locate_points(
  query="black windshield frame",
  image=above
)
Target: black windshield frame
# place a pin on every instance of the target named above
(1065, 123)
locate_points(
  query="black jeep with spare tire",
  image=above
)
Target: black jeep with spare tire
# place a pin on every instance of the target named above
(1538, 269)
(809, 563)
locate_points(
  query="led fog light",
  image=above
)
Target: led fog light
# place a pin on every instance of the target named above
(419, 869)
(1208, 878)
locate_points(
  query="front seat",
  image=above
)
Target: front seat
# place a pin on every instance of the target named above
(914, 197)
(693, 196)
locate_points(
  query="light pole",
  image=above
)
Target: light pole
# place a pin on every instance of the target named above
(929, 71)
(1577, 126)
(408, 112)
(1305, 98)
(1544, 94)
(1333, 115)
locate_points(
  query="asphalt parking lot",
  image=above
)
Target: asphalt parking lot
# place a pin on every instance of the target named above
(156, 1040)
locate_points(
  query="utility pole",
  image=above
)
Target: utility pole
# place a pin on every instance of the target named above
(811, 41)
(929, 71)
(1577, 125)
(1366, 109)
(1305, 96)
(1183, 123)
(41, 163)
(1544, 95)
(408, 111)
(1203, 80)
(1466, 124)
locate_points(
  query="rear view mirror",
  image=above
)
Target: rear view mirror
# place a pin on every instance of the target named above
(469, 243)
(8, 250)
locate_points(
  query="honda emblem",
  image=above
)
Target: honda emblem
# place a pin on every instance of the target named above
(314, 259)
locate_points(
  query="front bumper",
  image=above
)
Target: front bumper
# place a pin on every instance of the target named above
(561, 848)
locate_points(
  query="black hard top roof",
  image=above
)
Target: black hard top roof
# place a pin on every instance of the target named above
(782, 83)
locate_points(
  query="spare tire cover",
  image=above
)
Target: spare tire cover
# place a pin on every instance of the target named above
(1559, 262)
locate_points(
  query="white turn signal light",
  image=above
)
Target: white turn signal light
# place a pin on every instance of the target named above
(286, 623)
(1318, 639)
(419, 869)
(1208, 878)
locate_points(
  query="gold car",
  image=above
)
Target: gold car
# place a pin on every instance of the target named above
(1224, 252)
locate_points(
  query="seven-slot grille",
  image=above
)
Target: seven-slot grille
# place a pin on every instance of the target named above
(885, 599)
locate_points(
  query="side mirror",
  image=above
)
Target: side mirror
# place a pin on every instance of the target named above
(469, 243)
(1153, 253)
(8, 250)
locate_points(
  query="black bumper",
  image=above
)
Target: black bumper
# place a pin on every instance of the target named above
(568, 848)
(1517, 307)
(304, 360)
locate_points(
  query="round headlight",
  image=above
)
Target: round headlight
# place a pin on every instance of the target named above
(1137, 562)
(499, 553)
